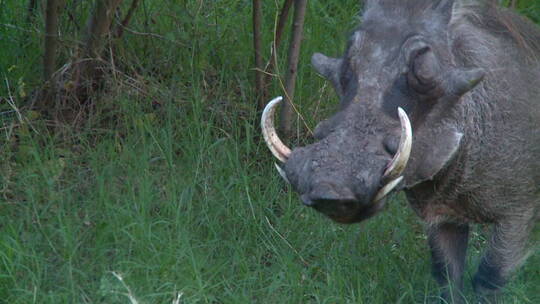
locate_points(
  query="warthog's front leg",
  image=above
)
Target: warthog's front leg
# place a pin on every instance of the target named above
(506, 251)
(448, 242)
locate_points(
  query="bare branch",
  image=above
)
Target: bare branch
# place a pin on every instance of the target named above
(99, 25)
(278, 34)
(98, 30)
(120, 28)
(51, 39)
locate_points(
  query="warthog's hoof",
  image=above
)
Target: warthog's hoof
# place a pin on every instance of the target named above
(486, 292)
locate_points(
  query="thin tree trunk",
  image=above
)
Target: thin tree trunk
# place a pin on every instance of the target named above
(51, 39)
(99, 25)
(127, 19)
(45, 101)
(282, 21)
(98, 29)
(31, 11)
(294, 53)
(257, 44)
(513, 4)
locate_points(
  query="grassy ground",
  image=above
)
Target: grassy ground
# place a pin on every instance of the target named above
(167, 193)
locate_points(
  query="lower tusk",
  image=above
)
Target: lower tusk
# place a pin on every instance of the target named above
(387, 189)
(276, 146)
(282, 173)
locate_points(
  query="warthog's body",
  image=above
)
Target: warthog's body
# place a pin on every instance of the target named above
(468, 76)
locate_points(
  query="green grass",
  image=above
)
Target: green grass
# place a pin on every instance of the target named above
(182, 199)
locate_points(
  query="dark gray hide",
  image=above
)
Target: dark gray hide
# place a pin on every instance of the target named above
(468, 76)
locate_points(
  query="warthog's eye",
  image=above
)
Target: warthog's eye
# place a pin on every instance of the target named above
(423, 70)
(346, 77)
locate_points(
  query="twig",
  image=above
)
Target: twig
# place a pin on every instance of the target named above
(278, 34)
(120, 27)
(11, 102)
(129, 293)
(282, 85)
(280, 27)
(286, 242)
(153, 35)
(12, 26)
(177, 299)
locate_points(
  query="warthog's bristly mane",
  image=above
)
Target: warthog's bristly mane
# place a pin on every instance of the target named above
(482, 13)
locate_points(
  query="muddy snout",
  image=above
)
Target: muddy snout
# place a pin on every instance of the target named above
(339, 202)
(331, 200)
(327, 194)
(340, 190)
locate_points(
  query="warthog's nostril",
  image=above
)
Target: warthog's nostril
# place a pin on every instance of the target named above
(334, 207)
(330, 199)
(326, 191)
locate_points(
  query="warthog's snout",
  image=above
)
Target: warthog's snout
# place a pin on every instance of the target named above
(336, 178)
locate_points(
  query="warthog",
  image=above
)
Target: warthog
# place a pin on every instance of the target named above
(440, 99)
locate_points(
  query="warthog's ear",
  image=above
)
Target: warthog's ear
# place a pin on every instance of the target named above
(328, 67)
(445, 8)
(432, 151)
(427, 76)
(461, 81)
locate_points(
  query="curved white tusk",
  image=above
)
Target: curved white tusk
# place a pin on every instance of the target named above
(387, 189)
(282, 173)
(400, 159)
(278, 148)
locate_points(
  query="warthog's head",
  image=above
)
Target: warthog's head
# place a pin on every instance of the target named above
(397, 75)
